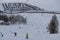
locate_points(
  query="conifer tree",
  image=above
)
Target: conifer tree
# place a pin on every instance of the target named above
(53, 26)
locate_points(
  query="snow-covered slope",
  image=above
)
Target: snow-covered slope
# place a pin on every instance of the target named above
(46, 4)
(13, 8)
(36, 28)
(36, 23)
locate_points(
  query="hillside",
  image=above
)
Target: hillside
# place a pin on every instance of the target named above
(35, 27)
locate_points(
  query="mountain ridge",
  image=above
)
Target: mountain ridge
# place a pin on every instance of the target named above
(23, 8)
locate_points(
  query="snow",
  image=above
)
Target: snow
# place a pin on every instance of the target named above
(1, 21)
(53, 5)
(37, 22)
(36, 28)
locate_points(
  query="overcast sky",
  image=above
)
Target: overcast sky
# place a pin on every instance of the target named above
(45, 4)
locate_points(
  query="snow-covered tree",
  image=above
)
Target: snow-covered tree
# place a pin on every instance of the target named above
(12, 19)
(17, 19)
(53, 26)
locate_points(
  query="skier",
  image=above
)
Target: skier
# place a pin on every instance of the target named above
(15, 33)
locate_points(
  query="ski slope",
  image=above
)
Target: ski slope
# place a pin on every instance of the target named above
(36, 23)
(35, 27)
